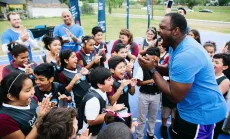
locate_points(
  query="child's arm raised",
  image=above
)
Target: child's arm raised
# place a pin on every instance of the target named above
(146, 82)
(115, 96)
(132, 88)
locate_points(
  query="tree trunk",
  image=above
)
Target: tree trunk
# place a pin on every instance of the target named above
(110, 7)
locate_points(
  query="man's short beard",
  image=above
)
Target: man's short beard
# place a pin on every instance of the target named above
(15, 26)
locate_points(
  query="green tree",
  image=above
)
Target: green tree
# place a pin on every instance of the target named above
(64, 1)
(223, 2)
(114, 4)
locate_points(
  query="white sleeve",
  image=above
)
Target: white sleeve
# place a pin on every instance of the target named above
(139, 74)
(5, 48)
(92, 108)
(33, 43)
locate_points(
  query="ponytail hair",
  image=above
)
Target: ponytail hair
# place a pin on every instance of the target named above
(16, 48)
(85, 39)
(48, 40)
(65, 54)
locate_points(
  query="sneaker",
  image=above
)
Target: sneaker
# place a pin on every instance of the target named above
(151, 137)
(164, 132)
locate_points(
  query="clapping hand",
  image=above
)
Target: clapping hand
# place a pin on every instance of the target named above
(28, 69)
(147, 63)
(62, 96)
(24, 35)
(117, 107)
(97, 58)
(133, 82)
(85, 135)
(44, 107)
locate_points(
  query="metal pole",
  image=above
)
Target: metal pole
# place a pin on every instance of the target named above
(127, 14)
(152, 10)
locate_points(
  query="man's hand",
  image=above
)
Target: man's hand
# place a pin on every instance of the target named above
(147, 63)
(24, 35)
(68, 33)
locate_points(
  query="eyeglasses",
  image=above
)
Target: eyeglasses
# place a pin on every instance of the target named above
(150, 34)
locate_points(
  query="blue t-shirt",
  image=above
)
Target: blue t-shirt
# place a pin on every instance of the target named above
(204, 103)
(9, 36)
(75, 29)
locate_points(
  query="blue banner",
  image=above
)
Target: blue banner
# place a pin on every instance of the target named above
(148, 11)
(127, 14)
(74, 9)
(101, 15)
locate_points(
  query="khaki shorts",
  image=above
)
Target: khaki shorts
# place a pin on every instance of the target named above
(166, 112)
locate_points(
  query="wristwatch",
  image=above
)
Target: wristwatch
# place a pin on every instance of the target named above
(153, 70)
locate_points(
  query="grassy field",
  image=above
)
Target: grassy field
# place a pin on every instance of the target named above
(137, 26)
(219, 13)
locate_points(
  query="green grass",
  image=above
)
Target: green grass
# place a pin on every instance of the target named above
(114, 24)
(219, 13)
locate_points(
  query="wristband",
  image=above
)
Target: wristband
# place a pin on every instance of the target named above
(153, 70)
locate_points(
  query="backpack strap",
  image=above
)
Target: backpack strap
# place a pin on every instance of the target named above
(83, 58)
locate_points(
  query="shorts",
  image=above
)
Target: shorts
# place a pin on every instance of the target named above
(166, 112)
(186, 130)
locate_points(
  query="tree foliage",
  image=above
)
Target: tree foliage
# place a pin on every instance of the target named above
(190, 3)
(223, 2)
(114, 4)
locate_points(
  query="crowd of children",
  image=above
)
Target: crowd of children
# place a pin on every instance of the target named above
(73, 93)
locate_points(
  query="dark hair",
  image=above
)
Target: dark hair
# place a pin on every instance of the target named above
(56, 124)
(153, 51)
(44, 69)
(12, 83)
(16, 48)
(96, 29)
(116, 130)
(65, 54)
(210, 44)
(154, 30)
(228, 44)
(118, 47)
(181, 8)
(48, 40)
(114, 61)
(158, 40)
(196, 34)
(110, 118)
(11, 13)
(98, 76)
(127, 33)
(85, 39)
(224, 57)
(177, 20)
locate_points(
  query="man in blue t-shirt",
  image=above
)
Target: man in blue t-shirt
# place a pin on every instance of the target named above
(192, 85)
(17, 33)
(70, 33)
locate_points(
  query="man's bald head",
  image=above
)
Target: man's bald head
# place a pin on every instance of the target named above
(67, 17)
